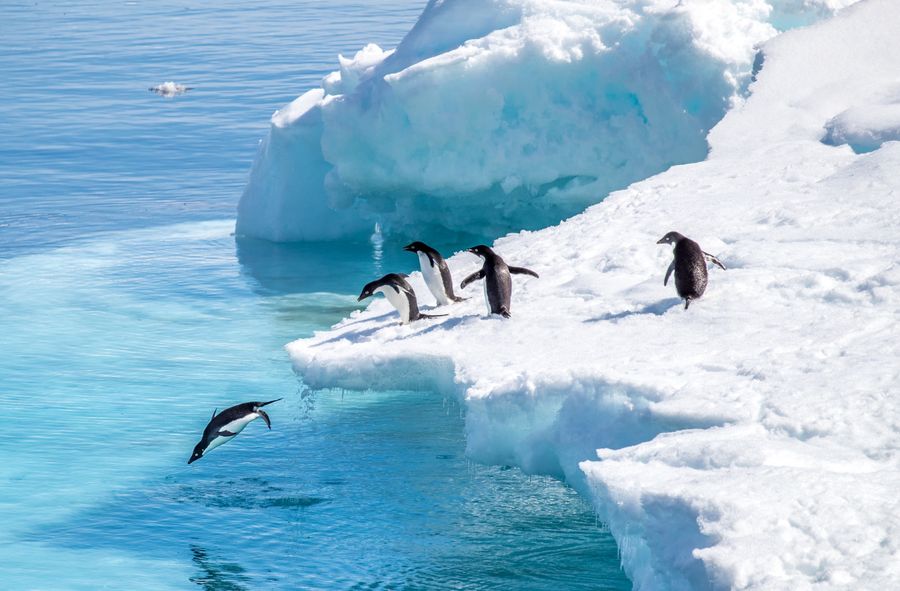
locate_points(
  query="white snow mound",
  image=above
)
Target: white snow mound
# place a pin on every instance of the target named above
(498, 115)
(751, 442)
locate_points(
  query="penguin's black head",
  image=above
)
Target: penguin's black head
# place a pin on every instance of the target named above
(481, 250)
(367, 291)
(198, 453)
(416, 246)
(670, 238)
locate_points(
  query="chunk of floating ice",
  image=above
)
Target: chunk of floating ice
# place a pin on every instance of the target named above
(169, 89)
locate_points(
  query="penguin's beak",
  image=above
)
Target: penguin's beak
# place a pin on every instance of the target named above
(472, 250)
(362, 296)
(409, 247)
(661, 240)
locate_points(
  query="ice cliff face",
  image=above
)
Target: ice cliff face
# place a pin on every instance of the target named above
(498, 115)
(753, 441)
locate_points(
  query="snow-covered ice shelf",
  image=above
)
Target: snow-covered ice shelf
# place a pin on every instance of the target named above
(499, 115)
(752, 442)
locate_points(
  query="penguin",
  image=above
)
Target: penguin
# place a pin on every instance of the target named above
(436, 273)
(223, 427)
(399, 293)
(689, 266)
(497, 281)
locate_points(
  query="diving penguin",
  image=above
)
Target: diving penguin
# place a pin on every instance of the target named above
(399, 293)
(689, 266)
(497, 281)
(436, 273)
(223, 427)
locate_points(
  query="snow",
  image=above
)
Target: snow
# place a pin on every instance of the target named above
(499, 115)
(753, 441)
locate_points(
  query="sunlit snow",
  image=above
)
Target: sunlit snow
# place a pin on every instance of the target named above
(750, 442)
(500, 115)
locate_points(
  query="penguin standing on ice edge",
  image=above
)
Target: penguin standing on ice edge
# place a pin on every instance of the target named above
(223, 427)
(436, 273)
(399, 293)
(689, 265)
(497, 280)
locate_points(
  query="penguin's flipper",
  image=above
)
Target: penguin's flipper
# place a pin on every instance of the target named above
(523, 271)
(269, 402)
(714, 260)
(265, 418)
(432, 315)
(224, 433)
(479, 274)
(669, 272)
(214, 413)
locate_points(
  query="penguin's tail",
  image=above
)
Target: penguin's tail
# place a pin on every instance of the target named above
(458, 299)
(687, 302)
(504, 312)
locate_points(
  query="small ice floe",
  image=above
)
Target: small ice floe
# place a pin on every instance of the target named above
(169, 89)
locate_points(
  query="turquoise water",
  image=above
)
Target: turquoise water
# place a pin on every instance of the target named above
(128, 313)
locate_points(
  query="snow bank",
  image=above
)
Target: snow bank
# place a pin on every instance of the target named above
(752, 442)
(498, 115)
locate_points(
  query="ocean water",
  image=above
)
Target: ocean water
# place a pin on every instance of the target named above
(128, 313)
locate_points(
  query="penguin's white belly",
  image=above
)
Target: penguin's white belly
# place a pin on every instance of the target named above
(487, 299)
(216, 443)
(235, 427)
(433, 279)
(398, 301)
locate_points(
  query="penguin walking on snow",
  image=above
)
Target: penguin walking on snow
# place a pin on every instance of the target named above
(497, 280)
(399, 293)
(436, 273)
(223, 427)
(689, 265)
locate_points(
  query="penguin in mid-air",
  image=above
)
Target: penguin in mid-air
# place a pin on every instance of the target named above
(689, 265)
(497, 281)
(223, 427)
(436, 273)
(399, 293)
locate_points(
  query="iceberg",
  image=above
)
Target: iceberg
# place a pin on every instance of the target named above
(500, 115)
(752, 441)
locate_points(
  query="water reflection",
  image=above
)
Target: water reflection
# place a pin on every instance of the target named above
(336, 267)
(216, 576)
(377, 240)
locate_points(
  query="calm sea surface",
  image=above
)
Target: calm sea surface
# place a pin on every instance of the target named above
(128, 314)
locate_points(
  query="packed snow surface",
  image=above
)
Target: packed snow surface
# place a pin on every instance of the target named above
(498, 115)
(752, 441)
